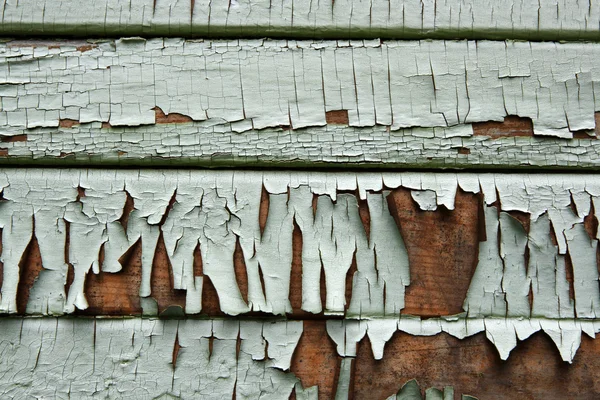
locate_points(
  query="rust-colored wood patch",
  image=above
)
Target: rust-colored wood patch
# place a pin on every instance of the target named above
(511, 126)
(315, 361)
(13, 138)
(337, 117)
(67, 123)
(113, 293)
(442, 250)
(172, 118)
(472, 366)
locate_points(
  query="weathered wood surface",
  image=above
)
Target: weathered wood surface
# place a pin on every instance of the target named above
(257, 84)
(418, 104)
(283, 284)
(86, 358)
(340, 19)
(372, 253)
(441, 245)
(495, 146)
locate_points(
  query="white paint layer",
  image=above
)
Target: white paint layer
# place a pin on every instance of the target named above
(144, 359)
(522, 19)
(211, 213)
(258, 84)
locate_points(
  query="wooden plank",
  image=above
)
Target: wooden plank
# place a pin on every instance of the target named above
(172, 358)
(331, 147)
(371, 253)
(343, 19)
(407, 110)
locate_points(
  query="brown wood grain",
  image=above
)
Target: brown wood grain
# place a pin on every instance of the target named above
(315, 361)
(111, 293)
(472, 366)
(442, 249)
(511, 126)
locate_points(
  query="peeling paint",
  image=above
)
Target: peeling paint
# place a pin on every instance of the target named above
(527, 19)
(258, 84)
(116, 358)
(334, 146)
(520, 286)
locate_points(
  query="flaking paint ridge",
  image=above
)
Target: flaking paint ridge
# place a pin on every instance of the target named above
(203, 144)
(492, 19)
(149, 359)
(258, 84)
(214, 210)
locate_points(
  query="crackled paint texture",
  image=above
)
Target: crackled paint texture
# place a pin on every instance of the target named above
(213, 212)
(522, 19)
(149, 359)
(132, 86)
(201, 143)
(257, 84)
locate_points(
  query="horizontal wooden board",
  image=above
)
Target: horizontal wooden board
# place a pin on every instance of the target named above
(415, 104)
(143, 358)
(241, 85)
(522, 19)
(482, 146)
(373, 253)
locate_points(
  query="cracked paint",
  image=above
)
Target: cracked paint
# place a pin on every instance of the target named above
(258, 84)
(117, 358)
(521, 19)
(154, 96)
(202, 144)
(510, 296)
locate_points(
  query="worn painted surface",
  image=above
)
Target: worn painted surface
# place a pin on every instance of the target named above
(534, 273)
(148, 359)
(286, 284)
(257, 84)
(522, 19)
(58, 357)
(330, 146)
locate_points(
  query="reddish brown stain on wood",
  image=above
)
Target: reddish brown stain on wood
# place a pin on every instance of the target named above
(349, 280)
(116, 293)
(472, 366)
(210, 299)
(442, 251)
(162, 280)
(315, 361)
(13, 138)
(296, 271)
(241, 273)
(176, 348)
(590, 223)
(172, 118)
(85, 47)
(512, 126)
(29, 270)
(67, 123)
(337, 117)
(263, 211)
